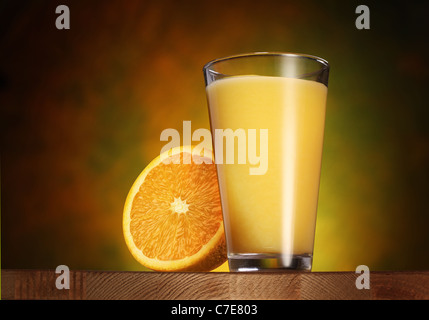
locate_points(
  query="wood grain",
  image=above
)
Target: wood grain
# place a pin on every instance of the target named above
(102, 285)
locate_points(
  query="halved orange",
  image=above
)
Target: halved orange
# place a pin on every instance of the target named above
(172, 217)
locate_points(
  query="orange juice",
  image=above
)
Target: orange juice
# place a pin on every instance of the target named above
(274, 212)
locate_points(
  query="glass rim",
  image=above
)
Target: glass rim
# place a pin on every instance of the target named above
(320, 60)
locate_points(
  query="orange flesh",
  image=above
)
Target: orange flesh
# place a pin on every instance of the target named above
(176, 234)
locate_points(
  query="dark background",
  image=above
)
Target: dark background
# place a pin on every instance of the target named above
(82, 111)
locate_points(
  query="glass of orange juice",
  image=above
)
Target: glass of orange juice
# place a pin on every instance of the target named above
(267, 117)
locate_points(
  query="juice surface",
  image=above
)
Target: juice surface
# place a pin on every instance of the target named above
(273, 212)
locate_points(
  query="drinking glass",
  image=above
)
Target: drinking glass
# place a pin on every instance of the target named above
(267, 118)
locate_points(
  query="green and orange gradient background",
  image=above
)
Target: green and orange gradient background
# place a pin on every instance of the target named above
(82, 111)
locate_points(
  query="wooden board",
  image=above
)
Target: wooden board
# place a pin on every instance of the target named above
(101, 285)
